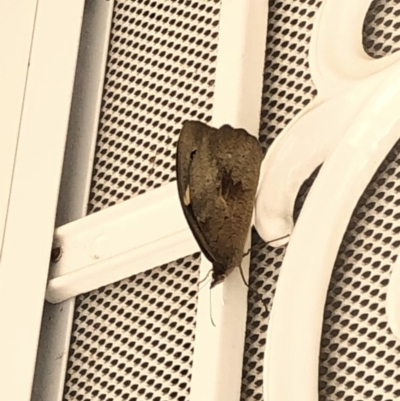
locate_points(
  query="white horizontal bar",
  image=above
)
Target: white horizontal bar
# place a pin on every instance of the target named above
(33, 199)
(119, 242)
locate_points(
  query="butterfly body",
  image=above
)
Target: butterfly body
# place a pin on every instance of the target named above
(217, 174)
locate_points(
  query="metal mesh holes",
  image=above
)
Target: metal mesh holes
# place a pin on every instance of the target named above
(360, 357)
(160, 72)
(133, 340)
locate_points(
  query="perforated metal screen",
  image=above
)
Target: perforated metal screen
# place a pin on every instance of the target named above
(126, 345)
(160, 71)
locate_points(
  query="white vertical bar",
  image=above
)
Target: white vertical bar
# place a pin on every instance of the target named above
(33, 198)
(218, 352)
(291, 359)
(16, 26)
(55, 335)
(240, 64)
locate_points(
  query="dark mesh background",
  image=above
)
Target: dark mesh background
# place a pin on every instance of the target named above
(160, 72)
(125, 343)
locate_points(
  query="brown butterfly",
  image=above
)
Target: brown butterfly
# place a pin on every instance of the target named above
(217, 175)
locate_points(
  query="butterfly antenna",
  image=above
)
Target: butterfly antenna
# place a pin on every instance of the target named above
(269, 242)
(205, 278)
(253, 289)
(277, 239)
(244, 280)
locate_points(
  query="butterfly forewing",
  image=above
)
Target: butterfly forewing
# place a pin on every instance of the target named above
(217, 173)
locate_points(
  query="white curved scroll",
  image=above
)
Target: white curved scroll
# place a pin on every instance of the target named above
(339, 60)
(312, 136)
(293, 338)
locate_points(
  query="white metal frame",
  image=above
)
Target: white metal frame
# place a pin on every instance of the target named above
(57, 319)
(39, 120)
(150, 229)
(99, 249)
(16, 21)
(95, 249)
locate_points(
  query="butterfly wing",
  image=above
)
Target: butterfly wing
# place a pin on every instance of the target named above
(218, 173)
(189, 142)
